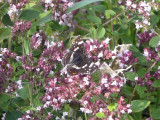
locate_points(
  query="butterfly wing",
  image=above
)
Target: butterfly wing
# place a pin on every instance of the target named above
(66, 58)
(85, 66)
(78, 44)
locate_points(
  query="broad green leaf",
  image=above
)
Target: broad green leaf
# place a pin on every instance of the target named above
(100, 32)
(112, 106)
(130, 76)
(100, 115)
(154, 41)
(26, 46)
(6, 20)
(43, 20)
(136, 53)
(36, 100)
(99, 8)
(141, 91)
(108, 13)
(137, 115)
(4, 33)
(14, 115)
(156, 83)
(29, 15)
(81, 4)
(95, 19)
(93, 33)
(127, 90)
(141, 72)
(4, 98)
(24, 92)
(155, 113)
(154, 19)
(139, 105)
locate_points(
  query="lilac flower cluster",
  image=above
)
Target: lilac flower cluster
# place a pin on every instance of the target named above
(55, 96)
(145, 37)
(37, 40)
(15, 7)
(142, 8)
(97, 51)
(157, 74)
(50, 57)
(158, 47)
(126, 58)
(150, 54)
(144, 81)
(21, 27)
(6, 70)
(59, 8)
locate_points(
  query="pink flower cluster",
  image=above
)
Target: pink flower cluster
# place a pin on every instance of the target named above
(50, 57)
(145, 37)
(59, 8)
(55, 95)
(142, 8)
(37, 40)
(145, 81)
(157, 74)
(158, 47)
(150, 54)
(21, 27)
(96, 50)
(15, 7)
(126, 58)
(6, 70)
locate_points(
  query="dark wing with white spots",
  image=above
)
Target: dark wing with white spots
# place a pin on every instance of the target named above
(78, 44)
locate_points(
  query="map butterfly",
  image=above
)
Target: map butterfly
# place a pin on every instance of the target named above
(76, 61)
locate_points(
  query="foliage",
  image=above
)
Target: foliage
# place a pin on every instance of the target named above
(120, 38)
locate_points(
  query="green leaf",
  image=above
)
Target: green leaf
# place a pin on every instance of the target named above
(154, 19)
(99, 8)
(139, 105)
(154, 41)
(141, 72)
(29, 15)
(141, 91)
(127, 90)
(155, 113)
(81, 4)
(94, 18)
(136, 53)
(137, 115)
(36, 99)
(130, 76)
(156, 83)
(14, 115)
(93, 33)
(24, 92)
(108, 13)
(4, 102)
(4, 33)
(26, 45)
(100, 115)
(112, 106)
(100, 32)
(7, 21)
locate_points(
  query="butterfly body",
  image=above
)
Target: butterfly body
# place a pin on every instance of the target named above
(76, 61)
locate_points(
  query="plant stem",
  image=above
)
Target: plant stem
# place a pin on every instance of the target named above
(30, 94)
(114, 17)
(78, 26)
(134, 90)
(85, 116)
(9, 42)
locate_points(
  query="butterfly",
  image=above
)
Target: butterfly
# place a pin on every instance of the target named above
(75, 61)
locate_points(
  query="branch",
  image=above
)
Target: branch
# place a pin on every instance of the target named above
(77, 25)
